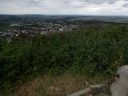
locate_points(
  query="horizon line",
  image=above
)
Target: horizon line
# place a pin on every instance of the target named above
(67, 15)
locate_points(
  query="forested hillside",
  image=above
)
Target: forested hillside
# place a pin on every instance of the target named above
(94, 52)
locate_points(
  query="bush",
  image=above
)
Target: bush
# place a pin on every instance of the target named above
(93, 52)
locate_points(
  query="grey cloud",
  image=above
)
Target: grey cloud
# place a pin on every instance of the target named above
(125, 5)
(101, 1)
(63, 6)
(65, 1)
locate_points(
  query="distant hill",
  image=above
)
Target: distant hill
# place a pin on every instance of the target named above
(119, 19)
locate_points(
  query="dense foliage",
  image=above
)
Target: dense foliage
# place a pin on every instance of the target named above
(94, 51)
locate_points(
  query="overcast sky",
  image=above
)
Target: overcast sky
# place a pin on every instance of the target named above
(65, 7)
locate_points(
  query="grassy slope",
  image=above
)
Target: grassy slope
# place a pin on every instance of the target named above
(94, 53)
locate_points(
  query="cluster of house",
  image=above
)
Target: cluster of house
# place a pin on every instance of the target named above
(51, 27)
(14, 30)
(9, 34)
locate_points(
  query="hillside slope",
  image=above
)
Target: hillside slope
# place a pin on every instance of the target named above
(93, 53)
